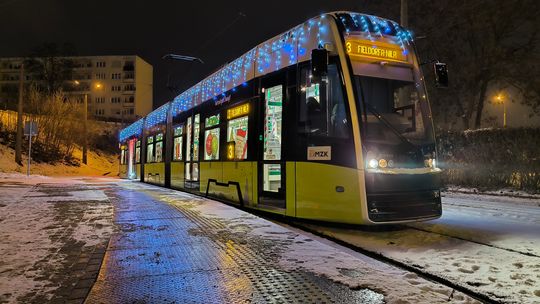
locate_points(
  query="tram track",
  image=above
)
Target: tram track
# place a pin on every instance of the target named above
(473, 241)
(416, 269)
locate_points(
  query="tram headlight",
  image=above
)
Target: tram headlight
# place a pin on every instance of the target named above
(373, 163)
(382, 163)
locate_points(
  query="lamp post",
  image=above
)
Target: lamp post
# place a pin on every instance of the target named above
(85, 125)
(500, 99)
(98, 86)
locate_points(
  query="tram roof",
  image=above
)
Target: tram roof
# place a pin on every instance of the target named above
(285, 49)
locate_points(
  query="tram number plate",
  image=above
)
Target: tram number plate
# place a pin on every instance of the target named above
(319, 153)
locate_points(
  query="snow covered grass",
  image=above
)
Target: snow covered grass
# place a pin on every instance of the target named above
(98, 165)
(40, 219)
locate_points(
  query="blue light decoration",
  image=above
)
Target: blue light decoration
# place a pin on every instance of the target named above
(158, 116)
(354, 22)
(135, 129)
(285, 49)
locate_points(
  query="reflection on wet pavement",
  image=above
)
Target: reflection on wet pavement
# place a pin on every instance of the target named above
(164, 251)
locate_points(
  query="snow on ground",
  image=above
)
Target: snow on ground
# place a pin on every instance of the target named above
(490, 247)
(310, 253)
(39, 218)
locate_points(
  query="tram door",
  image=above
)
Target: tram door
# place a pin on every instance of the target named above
(131, 174)
(271, 169)
(193, 127)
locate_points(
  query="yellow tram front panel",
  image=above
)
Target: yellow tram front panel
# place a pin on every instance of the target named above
(328, 192)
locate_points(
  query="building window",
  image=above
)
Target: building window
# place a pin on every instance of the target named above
(116, 76)
(129, 75)
(130, 99)
(129, 87)
(100, 99)
(115, 99)
(101, 76)
(116, 88)
(100, 64)
(100, 112)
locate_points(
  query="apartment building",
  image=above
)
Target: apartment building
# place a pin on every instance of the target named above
(118, 88)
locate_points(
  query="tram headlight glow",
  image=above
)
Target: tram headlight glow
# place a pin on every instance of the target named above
(373, 163)
(382, 163)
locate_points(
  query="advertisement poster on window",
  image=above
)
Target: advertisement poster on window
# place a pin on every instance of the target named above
(238, 132)
(159, 151)
(177, 148)
(272, 123)
(211, 149)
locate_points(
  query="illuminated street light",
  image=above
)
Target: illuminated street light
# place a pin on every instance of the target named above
(501, 100)
(85, 127)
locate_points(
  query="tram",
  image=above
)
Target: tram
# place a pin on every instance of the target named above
(327, 121)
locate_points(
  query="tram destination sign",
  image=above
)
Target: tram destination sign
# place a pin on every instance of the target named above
(374, 50)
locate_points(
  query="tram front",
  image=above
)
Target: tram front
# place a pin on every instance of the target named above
(402, 181)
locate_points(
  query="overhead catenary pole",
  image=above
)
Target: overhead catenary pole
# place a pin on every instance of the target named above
(19, 136)
(85, 131)
(30, 129)
(404, 14)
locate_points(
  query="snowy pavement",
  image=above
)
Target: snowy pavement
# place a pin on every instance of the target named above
(176, 247)
(487, 244)
(53, 234)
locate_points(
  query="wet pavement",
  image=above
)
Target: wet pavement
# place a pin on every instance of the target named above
(164, 250)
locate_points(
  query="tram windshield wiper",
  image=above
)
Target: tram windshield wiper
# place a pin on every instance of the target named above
(375, 113)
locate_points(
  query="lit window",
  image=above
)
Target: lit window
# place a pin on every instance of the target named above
(237, 133)
(211, 144)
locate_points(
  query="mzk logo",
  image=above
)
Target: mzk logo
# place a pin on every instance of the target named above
(319, 153)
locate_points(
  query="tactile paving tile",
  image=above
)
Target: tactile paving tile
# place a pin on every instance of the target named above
(196, 259)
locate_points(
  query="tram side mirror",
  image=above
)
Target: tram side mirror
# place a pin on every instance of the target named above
(441, 75)
(319, 65)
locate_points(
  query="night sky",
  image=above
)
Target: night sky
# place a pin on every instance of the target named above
(211, 30)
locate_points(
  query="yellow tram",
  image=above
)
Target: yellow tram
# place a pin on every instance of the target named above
(327, 121)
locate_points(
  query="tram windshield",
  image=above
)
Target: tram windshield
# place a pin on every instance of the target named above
(393, 112)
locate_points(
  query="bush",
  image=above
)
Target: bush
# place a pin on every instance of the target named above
(491, 158)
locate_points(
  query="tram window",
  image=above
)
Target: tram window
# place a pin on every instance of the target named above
(272, 122)
(322, 107)
(159, 148)
(197, 130)
(138, 152)
(211, 144)
(188, 144)
(150, 149)
(237, 132)
(123, 156)
(177, 144)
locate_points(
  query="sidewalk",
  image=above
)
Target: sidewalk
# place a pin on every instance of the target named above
(172, 247)
(155, 245)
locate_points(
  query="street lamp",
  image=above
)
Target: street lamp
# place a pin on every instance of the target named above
(85, 125)
(98, 86)
(500, 99)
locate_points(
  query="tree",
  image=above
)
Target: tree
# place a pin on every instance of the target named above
(50, 66)
(487, 44)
